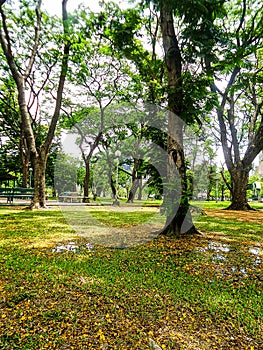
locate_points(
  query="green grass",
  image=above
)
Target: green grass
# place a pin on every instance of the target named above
(178, 292)
(122, 219)
(223, 205)
(232, 229)
(136, 202)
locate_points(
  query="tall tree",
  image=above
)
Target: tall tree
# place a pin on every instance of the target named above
(183, 108)
(21, 71)
(178, 218)
(124, 35)
(239, 100)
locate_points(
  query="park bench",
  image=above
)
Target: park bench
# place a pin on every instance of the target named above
(70, 197)
(16, 192)
(22, 192)
(6, 192)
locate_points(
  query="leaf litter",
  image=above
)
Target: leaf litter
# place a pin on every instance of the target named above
(187, 293)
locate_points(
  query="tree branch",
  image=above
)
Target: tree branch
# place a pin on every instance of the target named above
(242, 19)
(36, 41)
(7, 49)
(62, 78)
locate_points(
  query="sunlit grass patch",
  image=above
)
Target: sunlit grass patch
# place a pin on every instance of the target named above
(224, 204)
(231, 224)
(188, 293)
(33, 229)
(120, 218)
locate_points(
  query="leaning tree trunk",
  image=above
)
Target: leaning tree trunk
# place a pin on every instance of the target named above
(179, 220)
(133, 190)
(239, 183)
(222, 193)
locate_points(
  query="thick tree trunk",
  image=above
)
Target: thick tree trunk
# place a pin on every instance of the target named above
(25, 174)
(140, 188)
(239, 178)
(39, 163)
(133, 190)
(179, 220)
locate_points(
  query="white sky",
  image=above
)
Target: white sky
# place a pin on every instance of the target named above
(54, 6)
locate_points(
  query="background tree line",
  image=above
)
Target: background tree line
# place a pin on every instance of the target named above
(201, 62)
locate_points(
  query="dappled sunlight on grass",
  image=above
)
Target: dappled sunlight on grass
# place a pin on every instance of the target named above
(235, 225)
(113, 226)
(192, 293)
(37, 229)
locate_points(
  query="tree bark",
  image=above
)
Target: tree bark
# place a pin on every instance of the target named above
(86, 181)
(113, 188)
(39, 163)
(133, 191)
(233, 126)
(25, 160)
(179, 220)
(135, 183)
(140, 188)
(239, 183)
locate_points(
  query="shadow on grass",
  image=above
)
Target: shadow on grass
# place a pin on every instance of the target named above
(185, 293)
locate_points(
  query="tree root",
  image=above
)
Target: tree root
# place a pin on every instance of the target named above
(235, 206)
(167, 232)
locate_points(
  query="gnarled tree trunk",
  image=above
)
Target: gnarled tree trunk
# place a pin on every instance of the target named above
(179, 220)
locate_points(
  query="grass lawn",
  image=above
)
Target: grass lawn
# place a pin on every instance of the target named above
(190, 293)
